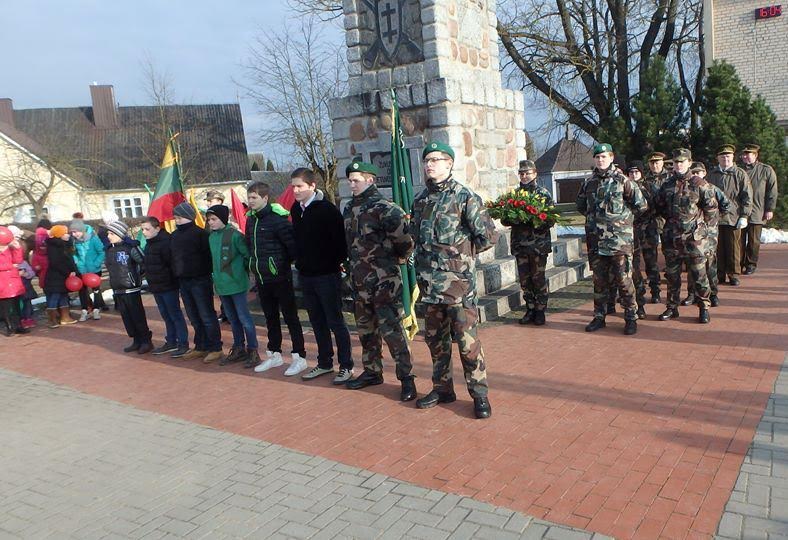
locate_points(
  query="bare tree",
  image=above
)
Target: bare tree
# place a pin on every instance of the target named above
(292, 75)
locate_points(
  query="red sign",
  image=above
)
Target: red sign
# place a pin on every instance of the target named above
(768, 12)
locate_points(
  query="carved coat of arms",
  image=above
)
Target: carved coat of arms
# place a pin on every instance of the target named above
(392, 43)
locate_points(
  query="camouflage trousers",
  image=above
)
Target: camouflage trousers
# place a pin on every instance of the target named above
(442, 321)
(593, 260)
(376, 323)
(533, 281)
(614, 273)
(649, 257)
(696, 268)
(711, 271)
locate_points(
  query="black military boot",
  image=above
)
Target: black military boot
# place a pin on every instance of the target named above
(596, 323)
(689, 300)
(134, 346)
(670, 313)
(367, 378)
(630, 327)
(734, 281)
(408, 392)
(641, 312)
(481, 407)
(655, 298)
(611, 308)
(435, 397)
(715, 301)
(528, 318)
(539, 317)
(703, 315)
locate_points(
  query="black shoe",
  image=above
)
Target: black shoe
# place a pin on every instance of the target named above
(408, 390)
(179, 352)
(703, 316)
(528, 318)
(145, 348)
(689, 300)
(539, 317)
(131, 348)
(655, 299)
(435, 397)
(252, 359)
(721, 279)
(641, 312)
(21, 330)
(734, 281)
(611, 308)
(481, 407)
(630, 327)
(670, 313)
(236, 354)
(596, 323)
(366, 378)
(715, 301)
(166, 348)
(750, 270)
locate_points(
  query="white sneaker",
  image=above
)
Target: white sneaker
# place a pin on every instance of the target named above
(273, 360)
(297, 365)
(96, 314)
(84, 316)
(343, 376)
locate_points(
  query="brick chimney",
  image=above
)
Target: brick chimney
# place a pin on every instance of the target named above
(105, 110)
(7, 111)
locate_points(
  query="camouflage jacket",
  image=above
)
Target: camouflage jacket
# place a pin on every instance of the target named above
(686, 205)
(378, 240)
(736, 185)
(764, 190)
(655, 181)
(528, 240)
(616, 202)
(450, 227)
(713, 219)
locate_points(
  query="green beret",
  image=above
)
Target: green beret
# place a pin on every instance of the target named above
(361, 166)
(754, 148)
(726, 149)
(438, 147)
(655, 156)
(603, 147)
(682, 154)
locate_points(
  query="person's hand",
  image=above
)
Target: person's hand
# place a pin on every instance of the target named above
(768, 216)
(742, 223)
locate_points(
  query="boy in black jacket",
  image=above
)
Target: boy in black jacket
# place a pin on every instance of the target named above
(272, 249)
(123, 261)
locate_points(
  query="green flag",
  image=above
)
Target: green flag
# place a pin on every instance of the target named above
(402, 194)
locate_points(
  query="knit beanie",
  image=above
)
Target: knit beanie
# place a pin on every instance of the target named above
(77, 225)
(119, 228)
(220, 211)
(185, 210)
(58, 231)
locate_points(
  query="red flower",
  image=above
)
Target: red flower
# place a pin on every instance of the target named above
(543, 216)
(531, 209)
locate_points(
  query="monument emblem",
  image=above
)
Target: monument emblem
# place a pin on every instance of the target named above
(392, 45)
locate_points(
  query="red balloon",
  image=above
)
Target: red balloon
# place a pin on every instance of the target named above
(6, 236)
(91, 280)
(73, 283)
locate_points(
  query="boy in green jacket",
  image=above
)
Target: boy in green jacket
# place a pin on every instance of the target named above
(230, 254)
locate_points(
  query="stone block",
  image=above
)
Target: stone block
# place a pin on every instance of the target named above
(400, 76)
(437, 91)
(416, 74)
(509, 99)
(432, 69)
(467, 93)
(384, 78)
(369, 81)
(428, 13)
(419, 94)
(354, 69)
(351, 21)
(519, 139)
(352, 38)
(346, 107)
(354, 85)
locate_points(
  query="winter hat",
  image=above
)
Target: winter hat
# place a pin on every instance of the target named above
(77, 225)
(58, 231)
(6, 236)
(119, 228)
(220, 211)
(108, 216)
(185, 210)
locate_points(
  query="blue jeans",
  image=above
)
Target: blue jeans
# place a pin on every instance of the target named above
(236, 309)
(323, 301)
(197, 295)
(169, 305)
(57, 300)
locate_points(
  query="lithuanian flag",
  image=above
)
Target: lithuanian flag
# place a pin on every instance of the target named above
(169, 190)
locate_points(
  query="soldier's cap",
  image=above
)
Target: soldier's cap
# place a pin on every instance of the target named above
(655, 156)
(682, 154)
(635, 166)
(751, 147)
(697, 166)
(726, 149)
(361, 166)
(435, 146)
(603, 147)
(527, 165)
(214, 194)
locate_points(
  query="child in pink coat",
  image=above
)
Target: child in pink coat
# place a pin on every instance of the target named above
(11, 286)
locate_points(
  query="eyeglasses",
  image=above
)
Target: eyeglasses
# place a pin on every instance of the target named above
(427, 161)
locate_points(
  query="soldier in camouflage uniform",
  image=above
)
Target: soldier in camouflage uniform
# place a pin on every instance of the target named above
(656, 176)
(378, 242)
(646, 238)
(615, 203)
(531, 246)
(450, 227)
(686, 203)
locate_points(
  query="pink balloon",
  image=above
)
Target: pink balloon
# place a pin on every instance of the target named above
(91, 280)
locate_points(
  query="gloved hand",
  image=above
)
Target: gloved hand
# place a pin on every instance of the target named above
(742, 223)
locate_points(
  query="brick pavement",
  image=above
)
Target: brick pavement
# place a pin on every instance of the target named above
(640, 436)
(79, 466)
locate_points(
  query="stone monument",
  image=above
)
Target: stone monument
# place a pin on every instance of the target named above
(441, 58)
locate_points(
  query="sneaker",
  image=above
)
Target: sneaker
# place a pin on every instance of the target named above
(315, 372)
(212, 356)
(297, 365)
(343, 376)
(84, 316)
(96, 314)
(194, 354)
(274, 360)
(164, 349)
(180, 352)
(236, 354)
(252, 359)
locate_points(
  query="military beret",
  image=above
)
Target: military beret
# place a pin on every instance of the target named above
(361, 166)
(527, 165)
(750, 147)
(726, 149)
(655, 156)
(635, 166)
(603, 147)
(682, 154)
(214, 194)
(697, 166)
(438, 147)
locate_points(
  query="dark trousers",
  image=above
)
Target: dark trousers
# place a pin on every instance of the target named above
(169, 305)
(133, 314)
(728, 251)
(85, 300)
(323, 300)
(750, 245)
(9, 311)
(273, 298)
(197, 295)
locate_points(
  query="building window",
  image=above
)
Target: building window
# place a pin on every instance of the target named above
(33, 216)
(128, 208)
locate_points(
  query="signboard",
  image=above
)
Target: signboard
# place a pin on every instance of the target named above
(768, 12)
(382, 160)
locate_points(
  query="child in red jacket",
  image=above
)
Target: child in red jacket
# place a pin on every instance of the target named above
(11, 286)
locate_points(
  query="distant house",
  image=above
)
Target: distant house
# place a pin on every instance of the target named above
(563, 168)
(112, 153)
